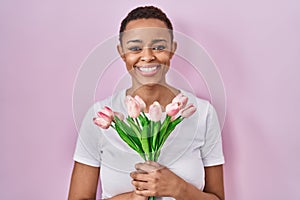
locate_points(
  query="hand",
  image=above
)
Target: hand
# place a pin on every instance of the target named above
(153, 179)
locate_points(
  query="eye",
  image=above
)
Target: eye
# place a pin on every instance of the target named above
(135, 48)
(159, 47)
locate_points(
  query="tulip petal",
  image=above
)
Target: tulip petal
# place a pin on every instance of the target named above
(101, 122)
(106, 110)
(133, 107)
(181, 99)
(104, 116)
(155, 112)
(141, 102)
(188, 111)
(172, 109)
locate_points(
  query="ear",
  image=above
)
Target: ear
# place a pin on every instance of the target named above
(121, 52)
(173, 48)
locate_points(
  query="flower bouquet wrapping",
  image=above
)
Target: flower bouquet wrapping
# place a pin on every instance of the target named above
(146, 133)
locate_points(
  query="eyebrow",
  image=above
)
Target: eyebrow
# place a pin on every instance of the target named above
(140, 41)
(159, 40)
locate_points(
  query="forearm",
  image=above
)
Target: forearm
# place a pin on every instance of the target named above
(128, 196)
(190, 192)
(124, 196)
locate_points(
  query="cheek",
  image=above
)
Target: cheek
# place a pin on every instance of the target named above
(129, 67)
(130, 61)
(164, 58)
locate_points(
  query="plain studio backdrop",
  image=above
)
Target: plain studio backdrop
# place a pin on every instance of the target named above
(254, 44)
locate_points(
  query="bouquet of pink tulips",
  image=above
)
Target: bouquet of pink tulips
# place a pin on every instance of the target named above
(146, 134)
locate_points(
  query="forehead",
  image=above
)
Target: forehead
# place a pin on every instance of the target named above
(145, 23)
(146, 34)
(146, 29)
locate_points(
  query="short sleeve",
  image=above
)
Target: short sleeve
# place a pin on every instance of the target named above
(211, 151)
(87, 149)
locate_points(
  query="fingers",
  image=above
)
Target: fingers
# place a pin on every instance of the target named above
(139, 176)
(141, 171)
(139, 185)
(145, 167)
(148, 166)
(146, 178)
(153, 163)
(145, 193)
(142, 189)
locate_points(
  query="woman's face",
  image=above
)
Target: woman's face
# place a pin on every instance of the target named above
(147, 49)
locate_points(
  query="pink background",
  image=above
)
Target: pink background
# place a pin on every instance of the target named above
(255, 45)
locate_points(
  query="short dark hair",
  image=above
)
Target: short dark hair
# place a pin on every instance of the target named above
(146, 12)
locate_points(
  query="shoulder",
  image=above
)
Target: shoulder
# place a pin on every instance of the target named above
(115, 101)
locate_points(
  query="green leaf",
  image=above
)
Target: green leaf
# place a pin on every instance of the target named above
(134, 127)
(150, 136)
(126, 139)
(145, 141)
(163, 129)
(145, 117)
(155, 130)
(142, 120)
(171, 126)
(177, 121)
(130, 134)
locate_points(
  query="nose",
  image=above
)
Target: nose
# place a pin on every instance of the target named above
(147, 55)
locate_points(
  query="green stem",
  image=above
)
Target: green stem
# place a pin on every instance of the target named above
(128, 135)
(155, 130)
(144, 140)
(145, 117)
(166, 130)
(137, 123)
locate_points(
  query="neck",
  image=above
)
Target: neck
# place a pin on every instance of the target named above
(154, 92)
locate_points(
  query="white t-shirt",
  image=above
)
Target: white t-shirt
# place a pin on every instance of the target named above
(194, 144)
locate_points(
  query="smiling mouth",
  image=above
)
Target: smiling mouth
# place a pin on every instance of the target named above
(148, 70)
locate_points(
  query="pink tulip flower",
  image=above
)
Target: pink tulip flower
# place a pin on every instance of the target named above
(141, 102)
(172, 109)
(104, 116)
(181, 99)
(103, 121)
(119, 115)
(106, 110)
(155, 112)
(133, 107)
(188, 111)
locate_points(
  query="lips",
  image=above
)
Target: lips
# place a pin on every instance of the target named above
(148, 70)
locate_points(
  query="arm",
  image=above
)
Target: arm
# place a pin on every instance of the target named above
(213, 190)
(160, 181)
(84, 182)
(128, 196)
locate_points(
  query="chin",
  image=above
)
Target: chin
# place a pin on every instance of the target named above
(151, 82)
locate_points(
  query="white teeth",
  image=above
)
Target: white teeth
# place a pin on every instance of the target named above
(147, 69)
